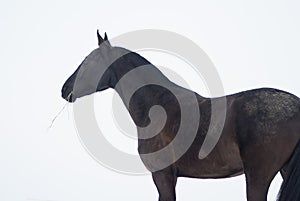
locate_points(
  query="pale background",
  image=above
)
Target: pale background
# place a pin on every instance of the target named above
(252, 43)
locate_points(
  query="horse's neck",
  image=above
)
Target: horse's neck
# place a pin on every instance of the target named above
(141, 77)
(143, 87)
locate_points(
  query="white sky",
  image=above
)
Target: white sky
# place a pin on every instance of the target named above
(252, 43)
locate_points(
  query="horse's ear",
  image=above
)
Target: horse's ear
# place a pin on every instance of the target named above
(106, 38)
(100, 39)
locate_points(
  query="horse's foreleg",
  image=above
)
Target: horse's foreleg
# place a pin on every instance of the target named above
(165, 181)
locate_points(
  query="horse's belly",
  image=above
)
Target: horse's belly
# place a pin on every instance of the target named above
(220, 163)
(211, 171)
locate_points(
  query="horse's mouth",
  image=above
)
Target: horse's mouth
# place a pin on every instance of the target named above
(70, 98)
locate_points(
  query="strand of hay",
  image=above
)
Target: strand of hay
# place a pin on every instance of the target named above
(54, 119)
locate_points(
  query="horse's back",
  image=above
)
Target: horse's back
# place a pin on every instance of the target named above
(268, 104)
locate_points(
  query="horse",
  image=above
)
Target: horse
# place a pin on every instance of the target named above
(259, 136)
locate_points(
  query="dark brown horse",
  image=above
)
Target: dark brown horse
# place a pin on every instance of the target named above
(258, 137)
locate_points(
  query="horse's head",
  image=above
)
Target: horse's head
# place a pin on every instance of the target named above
(95, 73)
